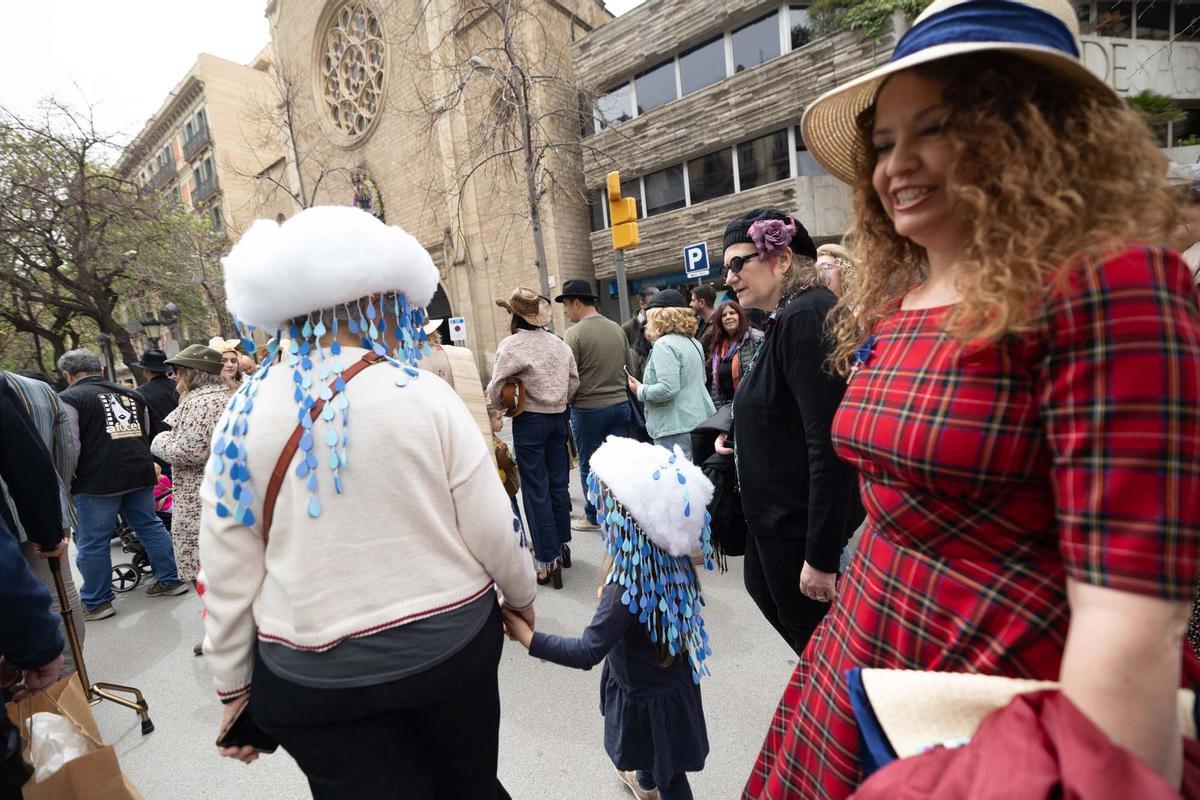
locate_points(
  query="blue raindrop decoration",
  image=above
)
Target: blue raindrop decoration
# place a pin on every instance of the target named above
(388, 325)
(661, 590)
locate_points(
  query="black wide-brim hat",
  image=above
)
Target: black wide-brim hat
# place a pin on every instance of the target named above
(152, 360)
(577, 287)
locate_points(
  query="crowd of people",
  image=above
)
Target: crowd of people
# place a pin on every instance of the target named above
(996, 383)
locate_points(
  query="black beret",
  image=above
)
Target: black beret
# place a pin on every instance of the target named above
(738, 231)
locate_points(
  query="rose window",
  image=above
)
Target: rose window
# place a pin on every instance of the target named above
(352, 69)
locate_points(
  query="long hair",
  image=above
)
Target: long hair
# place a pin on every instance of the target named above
(192, 379)
(1044, 170)
(661, 321)
(720, 336)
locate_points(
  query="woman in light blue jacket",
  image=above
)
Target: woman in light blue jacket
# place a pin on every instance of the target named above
(672, 386)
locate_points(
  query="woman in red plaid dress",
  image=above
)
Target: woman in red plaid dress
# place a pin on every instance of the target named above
(1025, 413)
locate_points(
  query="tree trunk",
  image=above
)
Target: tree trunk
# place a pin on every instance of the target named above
(531, 193)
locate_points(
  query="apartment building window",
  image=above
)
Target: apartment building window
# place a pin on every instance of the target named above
(1115, 19)
(805, 163)
(702, 66)
(799, 26)
(656, 87)
(664, 190)
(632, 187)
(764, 160)
(176, 196)
(214, 218)
(1154, 19)
(1187, 20)
(596, 203)
(711, 175)
(615, 106)
(756, 42)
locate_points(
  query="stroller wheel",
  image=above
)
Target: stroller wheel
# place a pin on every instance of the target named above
(125, 577)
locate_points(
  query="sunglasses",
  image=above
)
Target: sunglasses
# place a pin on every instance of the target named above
(737, 262)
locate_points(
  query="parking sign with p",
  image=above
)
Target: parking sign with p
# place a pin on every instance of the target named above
(695, 260)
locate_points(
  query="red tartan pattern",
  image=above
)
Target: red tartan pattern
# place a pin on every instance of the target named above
(992, 473)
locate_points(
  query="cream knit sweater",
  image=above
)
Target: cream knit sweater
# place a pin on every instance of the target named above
(544, 363)
(423, 526)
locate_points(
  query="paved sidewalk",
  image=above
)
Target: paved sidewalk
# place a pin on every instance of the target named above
(551, 729)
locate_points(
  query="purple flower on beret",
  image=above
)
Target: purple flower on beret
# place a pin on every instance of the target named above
(770, 236)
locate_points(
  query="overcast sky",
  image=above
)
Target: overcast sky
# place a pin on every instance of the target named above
(125, 56)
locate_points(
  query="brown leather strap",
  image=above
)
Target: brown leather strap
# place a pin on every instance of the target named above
(289, 449)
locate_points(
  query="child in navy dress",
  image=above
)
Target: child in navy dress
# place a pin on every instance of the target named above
(648, 628)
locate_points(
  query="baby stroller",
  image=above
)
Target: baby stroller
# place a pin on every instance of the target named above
(127, 576)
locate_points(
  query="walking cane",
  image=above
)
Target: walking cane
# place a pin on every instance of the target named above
(95, 691)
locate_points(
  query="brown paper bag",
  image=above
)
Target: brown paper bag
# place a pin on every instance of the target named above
(95, 776)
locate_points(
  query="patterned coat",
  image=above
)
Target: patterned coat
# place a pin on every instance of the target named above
(186, 447)
(992, 474)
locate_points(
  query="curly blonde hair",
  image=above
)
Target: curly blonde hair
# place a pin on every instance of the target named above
(1044, 171)
(661, 321)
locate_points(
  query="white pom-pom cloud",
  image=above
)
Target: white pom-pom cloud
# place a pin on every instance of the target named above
(322, 257)
(627, 467)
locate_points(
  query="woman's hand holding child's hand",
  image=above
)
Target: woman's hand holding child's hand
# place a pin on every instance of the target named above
(516, 627)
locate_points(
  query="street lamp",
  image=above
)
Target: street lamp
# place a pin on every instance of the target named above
(169, 315)
(151, 327)
(106, 342)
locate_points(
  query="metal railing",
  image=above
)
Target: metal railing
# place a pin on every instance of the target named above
(163, 175)
(195, 144)
(204, 190)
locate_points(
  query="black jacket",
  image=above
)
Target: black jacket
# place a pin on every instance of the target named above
(28, 475)
(793, 485)
(114, 443)
(160, 397)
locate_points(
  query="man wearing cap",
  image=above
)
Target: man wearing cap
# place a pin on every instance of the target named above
(115, 475)
(601, 408)
(159, 393)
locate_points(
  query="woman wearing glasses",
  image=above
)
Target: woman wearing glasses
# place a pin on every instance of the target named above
(800, 500)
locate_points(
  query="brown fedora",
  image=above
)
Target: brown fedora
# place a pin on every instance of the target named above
(529, 306)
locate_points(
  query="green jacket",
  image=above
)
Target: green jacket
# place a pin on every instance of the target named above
(673, 387)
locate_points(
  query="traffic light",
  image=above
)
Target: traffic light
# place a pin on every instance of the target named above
(622, 215)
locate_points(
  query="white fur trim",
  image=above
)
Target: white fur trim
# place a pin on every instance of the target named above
(322, 257)
(627, 468)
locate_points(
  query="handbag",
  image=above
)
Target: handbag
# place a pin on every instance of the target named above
(512, 397)
(93, 776)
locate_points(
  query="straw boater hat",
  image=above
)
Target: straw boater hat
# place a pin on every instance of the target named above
(529, 306)
(1044, 31)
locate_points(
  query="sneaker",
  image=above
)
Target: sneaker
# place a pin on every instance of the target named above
(102, 611)
(630, 780)
(583, 524)
(160, 589)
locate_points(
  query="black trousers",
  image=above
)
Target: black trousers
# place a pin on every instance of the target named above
(429, 736)
(772, 577)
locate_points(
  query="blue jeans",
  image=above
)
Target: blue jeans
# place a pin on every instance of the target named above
(684, 440)
(97, 519)
(545, 468)
(591, 427)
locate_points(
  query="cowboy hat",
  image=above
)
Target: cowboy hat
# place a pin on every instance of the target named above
(529, 306)
(1044, 31)
(198, 356)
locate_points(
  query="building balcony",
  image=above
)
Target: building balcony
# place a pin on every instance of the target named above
(163, 176)
(204, 190)
(193, 146)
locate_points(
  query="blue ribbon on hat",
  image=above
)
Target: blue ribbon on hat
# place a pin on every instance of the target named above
(988, 21)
